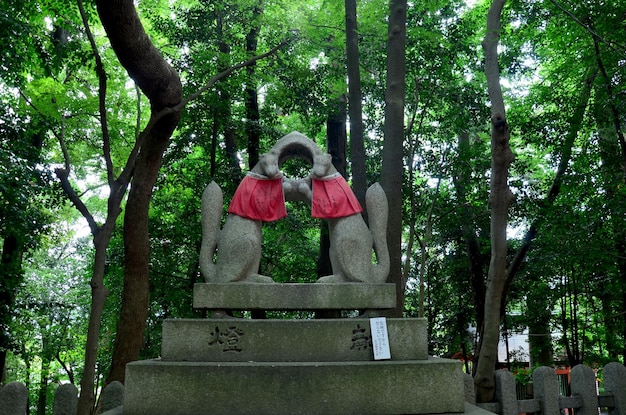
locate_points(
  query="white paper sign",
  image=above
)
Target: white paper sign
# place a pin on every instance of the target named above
(380, 338)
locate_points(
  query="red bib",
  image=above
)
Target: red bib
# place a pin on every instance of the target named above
(333, 198)
(259, 199)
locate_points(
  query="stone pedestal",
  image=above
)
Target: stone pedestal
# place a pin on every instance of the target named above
(290, 367)
(290, 388)
(238, 340)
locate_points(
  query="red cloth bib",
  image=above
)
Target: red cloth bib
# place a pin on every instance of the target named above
(259, 199)
(333, 198)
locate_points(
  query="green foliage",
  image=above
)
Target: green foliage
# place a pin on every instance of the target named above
(51, 314)
(575, 265)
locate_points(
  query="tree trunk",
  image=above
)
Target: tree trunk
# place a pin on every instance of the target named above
(253, 118)
(619, 200)
(10, 276)
(500, 198)
(42, 393)
(99, 294)
(336, 146)
(161, 84)
(355, 106)
(392, 169)
(224, 111)
(477, 261)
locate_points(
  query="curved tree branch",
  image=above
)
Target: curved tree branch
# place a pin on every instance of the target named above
(102, 92)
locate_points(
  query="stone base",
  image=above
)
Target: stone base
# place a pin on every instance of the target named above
(293, 296)
(286, 388)
(244, 340)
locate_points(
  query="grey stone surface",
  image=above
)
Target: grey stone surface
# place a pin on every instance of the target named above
(13, 399)
(288, 340)
(546, 388)
(342, 388)
(65, 400)
(468, 388)
(292, 296)
(471, 409)
(119, 410)
(583, 385)
(112, 396)
(615, 383)
(505, 392)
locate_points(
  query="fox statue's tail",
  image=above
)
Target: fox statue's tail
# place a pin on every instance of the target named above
(212, 205)
(378, 212)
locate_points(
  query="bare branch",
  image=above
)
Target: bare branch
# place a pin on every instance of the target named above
(63, 176)
(227, 72)
(102, 80)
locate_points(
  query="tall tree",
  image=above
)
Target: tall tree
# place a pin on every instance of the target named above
(500, 198)
(253, 117)
(392, 169)
(161, 84)
(355, 106)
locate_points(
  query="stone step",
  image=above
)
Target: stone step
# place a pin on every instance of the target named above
(293, 296)
(243, 340)
(289, 388)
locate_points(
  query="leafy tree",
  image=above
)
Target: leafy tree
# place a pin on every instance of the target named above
(24, 211)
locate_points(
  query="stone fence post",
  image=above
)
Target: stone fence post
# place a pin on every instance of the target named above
(505, 392)
(65, 400)
(583, 386)
(615, 383)
(112, 396)
(13, 399)
(546, 389)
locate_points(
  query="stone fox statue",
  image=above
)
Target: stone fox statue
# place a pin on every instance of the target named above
(261, 197)
(239, 241)
(351, 242)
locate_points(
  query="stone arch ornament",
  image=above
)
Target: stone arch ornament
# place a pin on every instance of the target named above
(233, 253)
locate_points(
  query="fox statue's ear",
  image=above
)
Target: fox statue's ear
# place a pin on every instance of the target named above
(323, 159)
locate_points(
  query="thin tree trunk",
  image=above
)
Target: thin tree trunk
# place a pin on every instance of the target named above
(477, 261)
(500, 198)
(225, 122)
(336, 146)
(99, 294)
(539, 336)
(392, 169)
(101, 233)
(253, 118)
(161, 84)
(355, 106)
(10, 275)
(42, 393)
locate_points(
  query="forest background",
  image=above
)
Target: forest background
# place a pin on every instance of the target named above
(116, 115)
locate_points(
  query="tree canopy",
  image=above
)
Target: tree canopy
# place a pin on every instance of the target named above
(108, 140)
